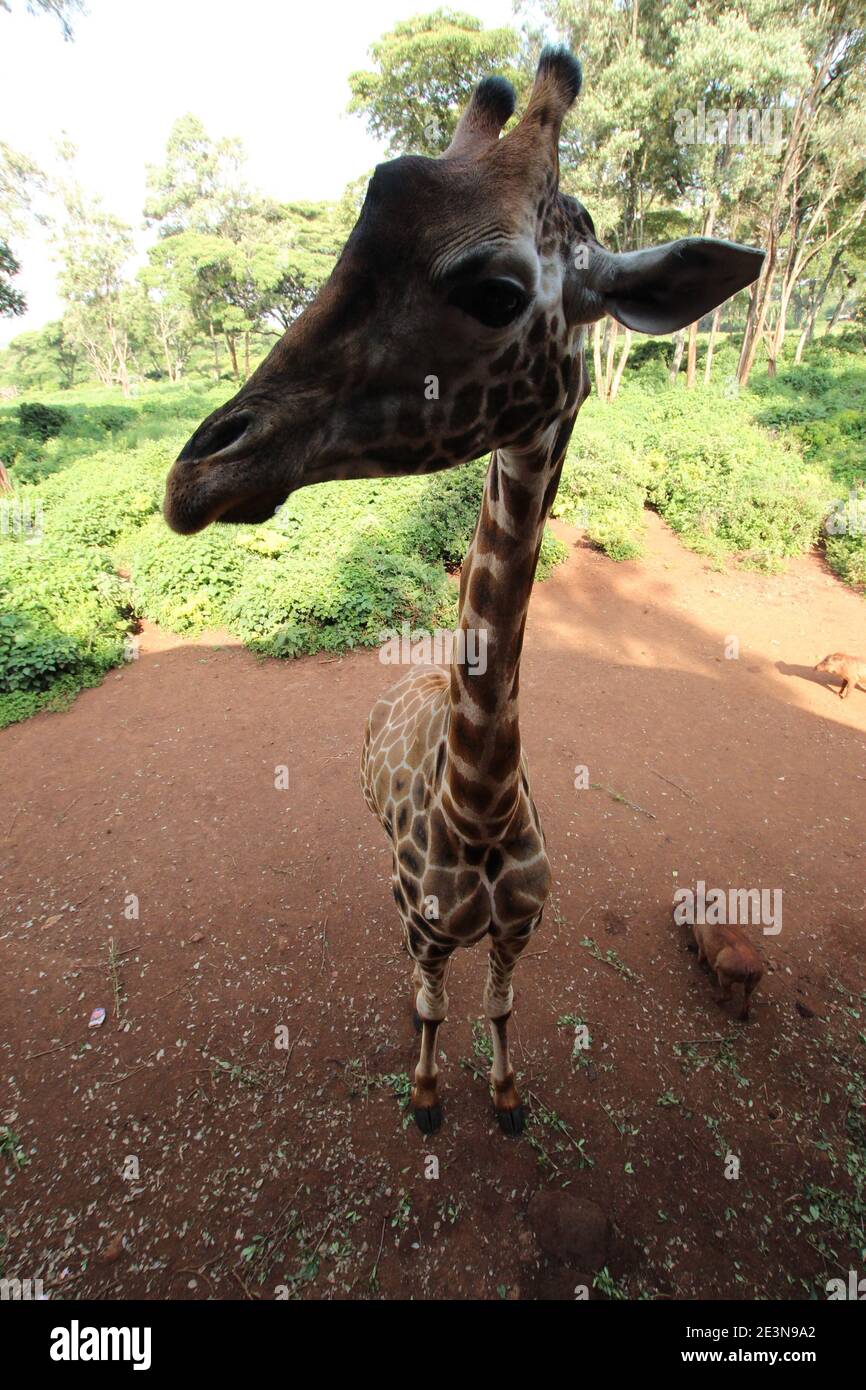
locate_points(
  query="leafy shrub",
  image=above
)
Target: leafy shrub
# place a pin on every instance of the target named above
(117, 417)
(847, 556)
(183, 582)
(699, 458)
(322, 601)
(732, 489)
(30, 656)
(19, 451)
(603, 488)
(63, 623)
(41, 421)
(339, 564)
(93, 503)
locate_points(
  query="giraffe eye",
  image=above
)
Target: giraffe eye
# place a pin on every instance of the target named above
(494, 303)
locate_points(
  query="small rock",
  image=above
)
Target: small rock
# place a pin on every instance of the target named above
(111, 1252)
(199, 936)
(571, 1229)
(527, 1250)
(807, 1010)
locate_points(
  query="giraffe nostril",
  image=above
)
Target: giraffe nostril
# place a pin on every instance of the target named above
(215, 438)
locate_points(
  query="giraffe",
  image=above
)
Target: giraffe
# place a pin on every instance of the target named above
(475, 272)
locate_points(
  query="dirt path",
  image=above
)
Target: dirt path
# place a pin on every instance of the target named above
(181, 1153)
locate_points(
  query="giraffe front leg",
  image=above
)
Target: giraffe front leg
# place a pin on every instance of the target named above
(498, 999)
(431, 1006)
(416, 985)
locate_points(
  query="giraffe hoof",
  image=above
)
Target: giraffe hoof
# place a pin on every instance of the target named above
(513, 1121)
(428, 1118)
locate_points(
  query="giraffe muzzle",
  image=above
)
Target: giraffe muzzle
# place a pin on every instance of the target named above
(218, 475)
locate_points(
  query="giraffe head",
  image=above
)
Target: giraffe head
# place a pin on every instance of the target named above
(452, 323)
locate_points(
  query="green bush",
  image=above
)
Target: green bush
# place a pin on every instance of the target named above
(114, 417)
(31, 657)
(183, 582)
(752, 475)
(730, 489)
(20, 452)
(604, 487)
(41, 421)
(322, 601)
(64, 618)
(847, 556)
(717, 477)
(101, 497)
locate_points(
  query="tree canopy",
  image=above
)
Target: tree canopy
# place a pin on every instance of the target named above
(697, 117)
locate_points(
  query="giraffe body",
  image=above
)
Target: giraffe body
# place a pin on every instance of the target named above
(450, 891)
(443, 768)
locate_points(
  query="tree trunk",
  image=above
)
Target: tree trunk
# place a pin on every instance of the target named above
(819, 295)
(620, 366)
(246, 354)
(233, 354)
(837, 311)
(804, 338)
(714, 328)
(612, 335)
(759, 305)
(679, 346)
(692, 359)
(169, 362)
(777, 341)
(596, 357)
(216, 354)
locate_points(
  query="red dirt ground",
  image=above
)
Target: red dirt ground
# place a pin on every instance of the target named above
(177, 1152)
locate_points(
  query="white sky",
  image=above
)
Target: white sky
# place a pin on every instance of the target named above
(273, 72)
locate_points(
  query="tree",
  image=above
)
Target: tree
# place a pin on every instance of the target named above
(829, 206)
(165, 322)
(11, 300)
(292, 249)
(239, 263)
(200, 186)
(200, 266)
(834, 42)
(617, 151)
(773, 93)
(94, 248)
(19, 180)
(61, 9)
(732, 67)
(424, 71)
(43, 357)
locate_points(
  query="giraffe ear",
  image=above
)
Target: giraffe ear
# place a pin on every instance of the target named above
(663, 289)
(491, 105)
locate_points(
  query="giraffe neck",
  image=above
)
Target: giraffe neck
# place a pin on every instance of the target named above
(482, 771)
